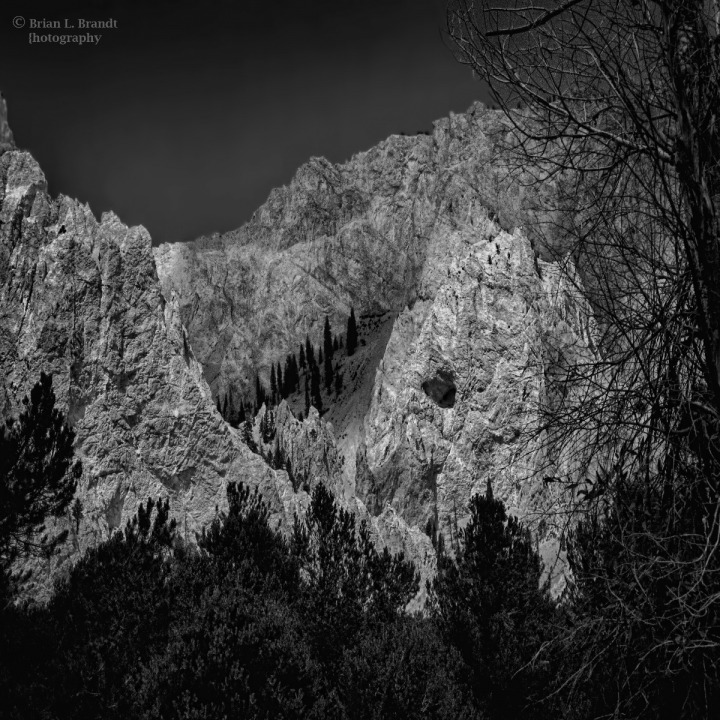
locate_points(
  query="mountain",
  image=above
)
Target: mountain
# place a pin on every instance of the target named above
(80, 299)
(465, 330)
(465, 327)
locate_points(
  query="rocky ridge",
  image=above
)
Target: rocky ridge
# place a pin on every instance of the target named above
(80, 299)
(370, 233)
(465, 330)
(426, 232)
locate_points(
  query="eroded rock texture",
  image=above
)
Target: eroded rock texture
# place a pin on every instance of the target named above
(81, 299)
(472, 328)
(457, 395)
(464, 331)
(374, 232)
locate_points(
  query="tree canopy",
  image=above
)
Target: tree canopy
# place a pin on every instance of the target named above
(37, 474)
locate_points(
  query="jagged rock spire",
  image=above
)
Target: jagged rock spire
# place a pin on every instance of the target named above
(6, 136)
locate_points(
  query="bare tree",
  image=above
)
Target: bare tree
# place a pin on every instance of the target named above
(614, 104)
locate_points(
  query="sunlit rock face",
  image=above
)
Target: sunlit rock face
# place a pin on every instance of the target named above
(464, 332)
(467, 327)
(81, 299)
(374, 233)
(457, 395)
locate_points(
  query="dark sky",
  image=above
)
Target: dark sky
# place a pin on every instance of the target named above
(187, 114)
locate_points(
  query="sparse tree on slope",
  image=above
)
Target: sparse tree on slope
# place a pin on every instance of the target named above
(328, 348)
(315, 395)
(309, 353)
(280, 382)
(273, 385)
(352, 337)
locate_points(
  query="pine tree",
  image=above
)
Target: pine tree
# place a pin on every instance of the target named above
(267, 426)
(111, 612)
(348, 580)
(352, 337)
(247, 436)
(259, 394)
(307, 395)
(295, 374)
(315, 388)
(302, 357)
(280, 382)
(288, 377)
(309, 353)
(327, 338)
(234, 417)
(289, 471)
(277, 459)
(492, 607)
(338, 383)
(235, 650)
(328, 348)
(273, 385)
(37, 475)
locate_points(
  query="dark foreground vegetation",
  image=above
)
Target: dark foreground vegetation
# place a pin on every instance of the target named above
(250, 623)
(615, 104)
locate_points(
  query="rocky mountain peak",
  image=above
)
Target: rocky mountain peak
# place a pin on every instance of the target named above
(461, 322)
(80, 299)
(460, 327)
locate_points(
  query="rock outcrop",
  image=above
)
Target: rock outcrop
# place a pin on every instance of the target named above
(80, 299)
(7, 141)
(464, 328)
(369, 233)
(310, 454)
(457, 395)
(475, 326)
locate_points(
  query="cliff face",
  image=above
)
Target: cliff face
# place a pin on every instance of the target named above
(81, 299)
(457, 396)
(464, 331)
(366, 233)
(472, 329)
